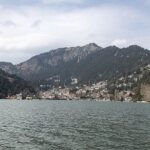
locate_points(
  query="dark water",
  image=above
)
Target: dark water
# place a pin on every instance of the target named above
(72, 125)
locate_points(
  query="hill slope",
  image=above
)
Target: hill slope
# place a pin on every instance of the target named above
(11, 85)
(88, 64)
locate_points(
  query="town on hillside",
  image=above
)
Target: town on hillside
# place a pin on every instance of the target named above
(126, 88)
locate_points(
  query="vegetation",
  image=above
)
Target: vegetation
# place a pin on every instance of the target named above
(11, 85)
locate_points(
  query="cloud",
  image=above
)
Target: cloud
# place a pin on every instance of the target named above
(63, 1)
(29, 30)
(40, 2)
(36, 23)
(8, 23)
(119, 42)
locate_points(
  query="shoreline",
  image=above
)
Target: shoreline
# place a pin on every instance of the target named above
(94, 100)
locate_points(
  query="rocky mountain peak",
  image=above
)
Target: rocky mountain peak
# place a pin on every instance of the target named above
(92, 46)
(135, 47)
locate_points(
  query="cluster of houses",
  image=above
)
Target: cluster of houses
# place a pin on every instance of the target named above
(20, 97)
(98, 91)
(121, 89)
(92, 92)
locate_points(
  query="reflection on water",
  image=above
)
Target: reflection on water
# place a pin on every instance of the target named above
(74, 125)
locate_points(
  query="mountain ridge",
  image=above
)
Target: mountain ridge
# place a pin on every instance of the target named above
(89, 63)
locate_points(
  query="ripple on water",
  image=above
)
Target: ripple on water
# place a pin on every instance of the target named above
(74, 125)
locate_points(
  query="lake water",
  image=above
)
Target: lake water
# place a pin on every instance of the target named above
(74, 125)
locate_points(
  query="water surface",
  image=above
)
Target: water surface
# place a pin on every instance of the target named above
(74, 125)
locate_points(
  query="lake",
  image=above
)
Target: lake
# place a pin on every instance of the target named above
(74, 125)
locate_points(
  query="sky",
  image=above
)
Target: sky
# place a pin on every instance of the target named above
(31, 27)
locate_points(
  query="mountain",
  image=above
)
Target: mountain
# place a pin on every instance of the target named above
(46, 65)
(87, 64)
(113, 62)
(12, 85)
(8, 67)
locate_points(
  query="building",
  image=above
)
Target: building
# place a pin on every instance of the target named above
(19, 96)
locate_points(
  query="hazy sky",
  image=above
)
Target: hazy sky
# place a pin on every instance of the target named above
(29, 27)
